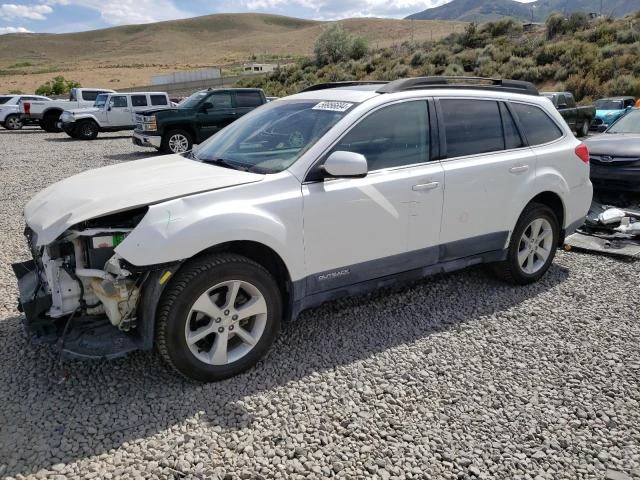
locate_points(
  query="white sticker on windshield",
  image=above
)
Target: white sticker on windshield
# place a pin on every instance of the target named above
(333, 106)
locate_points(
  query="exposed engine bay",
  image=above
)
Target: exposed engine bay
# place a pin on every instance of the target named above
(79, 281)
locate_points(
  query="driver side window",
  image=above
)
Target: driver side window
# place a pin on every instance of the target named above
(119, 101)
(394, 136)
(221, 101)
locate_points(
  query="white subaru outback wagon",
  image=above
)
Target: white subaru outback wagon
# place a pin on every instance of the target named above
(335, 191)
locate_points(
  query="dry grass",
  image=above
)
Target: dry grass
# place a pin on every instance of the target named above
(127, 56)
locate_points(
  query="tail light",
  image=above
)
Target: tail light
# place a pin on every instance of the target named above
(27, 107)
(582, 151)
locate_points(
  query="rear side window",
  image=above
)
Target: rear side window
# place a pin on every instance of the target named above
(248, 99)
(512, 138)
(472, 127)
(139, 100)
(393, 136)
(90, 95)
(158, 100)
(537, 126)
(4, 100)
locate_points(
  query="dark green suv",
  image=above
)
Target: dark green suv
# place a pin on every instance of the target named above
(195, 119)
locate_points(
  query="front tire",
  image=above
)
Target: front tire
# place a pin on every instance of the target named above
(532, 246)
(219, 317)
(87, 130)
(12, 122)
(177, 141)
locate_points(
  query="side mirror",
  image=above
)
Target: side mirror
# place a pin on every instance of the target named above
(207, 106)
(341, 164)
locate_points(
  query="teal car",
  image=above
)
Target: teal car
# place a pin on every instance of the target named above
(608, 110)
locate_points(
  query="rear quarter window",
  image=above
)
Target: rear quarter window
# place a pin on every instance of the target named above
(537, 126)
(158, 100)
(4, 100)
(90, 95)
(248, 99)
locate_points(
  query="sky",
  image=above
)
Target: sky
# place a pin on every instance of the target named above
(59, 16)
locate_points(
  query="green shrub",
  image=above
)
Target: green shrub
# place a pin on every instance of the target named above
(623, 85)
(506, 26)
(627, 36)
(556, 25)
(359, 48)
(57, 86)
(418, 59)
(577, 21)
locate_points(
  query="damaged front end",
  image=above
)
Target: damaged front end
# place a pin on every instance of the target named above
(79, 293)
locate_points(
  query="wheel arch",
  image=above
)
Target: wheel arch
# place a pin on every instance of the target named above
(52, 111)
(554, 202)
(187, 127)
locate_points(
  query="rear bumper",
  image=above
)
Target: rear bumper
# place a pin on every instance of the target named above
(142, 140)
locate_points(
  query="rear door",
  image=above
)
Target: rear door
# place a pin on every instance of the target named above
(139, 103)
(119, 111)
(487, 169)
(219, 115)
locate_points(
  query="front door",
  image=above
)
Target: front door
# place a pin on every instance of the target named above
(215, 113)
(358, 229)
(119, 111)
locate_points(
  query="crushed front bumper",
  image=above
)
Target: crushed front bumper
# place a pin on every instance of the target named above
(142, 140)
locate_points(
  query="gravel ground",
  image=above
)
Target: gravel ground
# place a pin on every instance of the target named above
(458, 376)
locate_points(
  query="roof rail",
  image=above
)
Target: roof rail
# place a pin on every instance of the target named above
(325, 86)
(480, 83)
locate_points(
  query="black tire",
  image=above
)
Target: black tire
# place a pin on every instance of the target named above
(12, 122)
(194, 280)
(170, 141)
(583, 131)
(87, 130)
(510, 270)
(50, 122)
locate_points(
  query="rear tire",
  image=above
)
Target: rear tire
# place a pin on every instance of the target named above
(87, 130)
(532, 246)
(583, 131)
(12, 122)
(49, 122)
(218, 317)
(176, 141)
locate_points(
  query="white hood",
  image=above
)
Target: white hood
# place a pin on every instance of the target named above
(121, 187)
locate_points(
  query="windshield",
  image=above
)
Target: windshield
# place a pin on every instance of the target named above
(101, 100)
(609, 105)
(194, 99)
(630, 123)
(272, 137)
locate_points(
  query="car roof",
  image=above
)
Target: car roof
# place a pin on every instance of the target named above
(137, 93)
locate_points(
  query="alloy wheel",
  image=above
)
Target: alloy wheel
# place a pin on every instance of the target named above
(178, 143)
(535, 246)
(13, 123)
(226, 322)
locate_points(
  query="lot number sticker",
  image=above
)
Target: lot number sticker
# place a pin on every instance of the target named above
(333, 106)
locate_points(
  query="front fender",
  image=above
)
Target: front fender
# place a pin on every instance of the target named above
(80, 117)
(181, 228)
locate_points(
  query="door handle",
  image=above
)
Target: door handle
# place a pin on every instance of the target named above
(519, 168)
(425, 186)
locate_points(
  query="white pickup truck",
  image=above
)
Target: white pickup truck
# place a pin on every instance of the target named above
(48, 113)
(111, 112)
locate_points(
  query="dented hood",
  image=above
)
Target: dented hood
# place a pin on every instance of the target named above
(121, 187)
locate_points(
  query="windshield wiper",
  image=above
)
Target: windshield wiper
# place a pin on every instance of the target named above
(221, 162)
